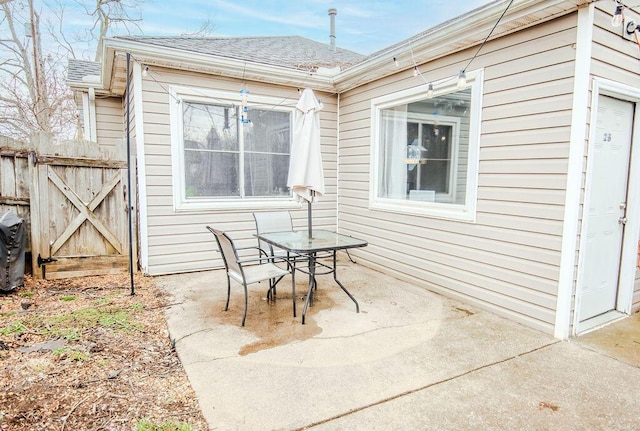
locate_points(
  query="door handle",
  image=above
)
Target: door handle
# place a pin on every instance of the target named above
(622, 220)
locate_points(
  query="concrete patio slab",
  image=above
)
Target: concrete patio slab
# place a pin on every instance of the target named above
(411, 359)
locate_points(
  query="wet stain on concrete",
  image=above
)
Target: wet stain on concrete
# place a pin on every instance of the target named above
(547, 405)
(465, 311)
(272, 321)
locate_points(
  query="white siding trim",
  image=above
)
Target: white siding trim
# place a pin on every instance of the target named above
(584, 37)
(89, 115)
(338, 162)
(632, 229)
(86, 125)
(143, 227)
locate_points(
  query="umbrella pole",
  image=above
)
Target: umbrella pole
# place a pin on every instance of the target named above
(309, 214)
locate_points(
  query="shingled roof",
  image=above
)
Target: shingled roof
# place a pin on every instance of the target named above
(285, 51)
(80, 68)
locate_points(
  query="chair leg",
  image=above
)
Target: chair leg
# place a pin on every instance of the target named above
(273, 282)
(246, 303)
(293, 287)
(271, 293)
(226, 307)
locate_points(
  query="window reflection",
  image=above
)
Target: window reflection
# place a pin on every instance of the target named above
(225, 158)
(424, 149)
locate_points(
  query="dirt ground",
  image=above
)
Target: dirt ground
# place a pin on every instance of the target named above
(84, 354)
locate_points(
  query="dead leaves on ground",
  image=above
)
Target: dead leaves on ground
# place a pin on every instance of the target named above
(86, 354)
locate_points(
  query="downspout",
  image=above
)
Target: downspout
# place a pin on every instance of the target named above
(91, 108)
(338, 163)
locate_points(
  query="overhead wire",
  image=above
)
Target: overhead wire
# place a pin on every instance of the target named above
(290, 102)
(488, 36)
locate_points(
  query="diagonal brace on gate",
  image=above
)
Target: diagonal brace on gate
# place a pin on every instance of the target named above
(86, 211)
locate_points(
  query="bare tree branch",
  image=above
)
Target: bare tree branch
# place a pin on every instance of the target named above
(206, 29)
(34, 97)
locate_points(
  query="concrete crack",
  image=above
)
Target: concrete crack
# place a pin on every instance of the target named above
(409, 325)
(430, 385)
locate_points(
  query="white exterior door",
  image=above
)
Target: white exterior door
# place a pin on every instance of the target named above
(605, 215)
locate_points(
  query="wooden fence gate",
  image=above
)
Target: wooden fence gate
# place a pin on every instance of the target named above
(72, 196)
(79, 219)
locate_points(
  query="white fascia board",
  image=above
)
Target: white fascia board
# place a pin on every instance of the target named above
(454, 36)
(85, 86)
(445, 39)
(207, 63)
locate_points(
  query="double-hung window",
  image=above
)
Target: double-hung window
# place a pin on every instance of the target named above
(229, 153)
(425, 150)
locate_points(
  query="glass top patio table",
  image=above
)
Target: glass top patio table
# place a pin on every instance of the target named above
(321, 240)
(298, 242)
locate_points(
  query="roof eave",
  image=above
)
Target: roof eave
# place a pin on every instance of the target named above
(450, 37)
(86, 85)
(454, 36)
(114, 52)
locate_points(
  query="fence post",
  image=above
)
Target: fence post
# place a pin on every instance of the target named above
(36, 219)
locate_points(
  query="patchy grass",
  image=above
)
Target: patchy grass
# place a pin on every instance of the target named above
(72, 355)
(72, 324)
(84, 354)
(16, 328)
(147, 425)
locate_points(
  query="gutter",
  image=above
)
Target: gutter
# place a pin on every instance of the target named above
(455, 35)
(217, 65)
(450, 37)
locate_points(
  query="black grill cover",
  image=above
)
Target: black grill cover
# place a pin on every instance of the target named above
(13, 240)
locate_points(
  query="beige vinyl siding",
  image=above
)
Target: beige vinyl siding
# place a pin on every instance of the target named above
(508, 260)
(110, 121)
(612, 59)
(616, 61)
(178, 241)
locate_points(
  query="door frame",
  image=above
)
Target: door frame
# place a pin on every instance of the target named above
(628, 263)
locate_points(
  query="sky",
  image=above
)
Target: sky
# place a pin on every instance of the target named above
(363, 26)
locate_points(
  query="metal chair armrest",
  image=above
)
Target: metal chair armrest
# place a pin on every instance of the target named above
(248, 248)
(271, 259)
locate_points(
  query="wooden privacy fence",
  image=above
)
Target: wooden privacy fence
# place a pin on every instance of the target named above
(14, 182)
(73, 199)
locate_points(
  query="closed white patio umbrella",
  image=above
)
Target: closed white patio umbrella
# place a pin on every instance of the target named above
(306, 178)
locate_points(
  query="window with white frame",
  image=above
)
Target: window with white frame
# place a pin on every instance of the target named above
(425, 150)
(229, 153)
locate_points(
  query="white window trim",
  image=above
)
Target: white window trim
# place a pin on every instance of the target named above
(178, 94)
(454, 123)
(466, 212)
